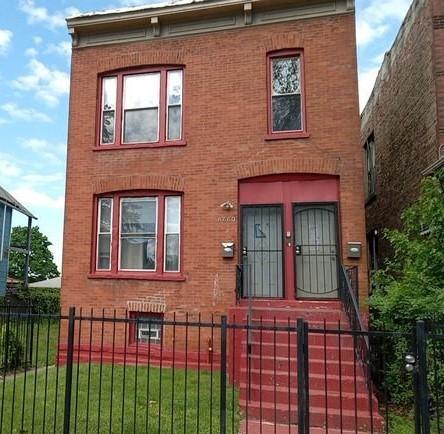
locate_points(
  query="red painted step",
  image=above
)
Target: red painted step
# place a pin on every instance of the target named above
(361, 420)
(267, 376)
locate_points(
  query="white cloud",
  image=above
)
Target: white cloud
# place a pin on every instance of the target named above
(24, 114)
(31, 52)
(47, 150)
(8, 169)
(63, 48)
(373, 20)
(40, 199)
(41, 15)
(367, 78)
(37, 40)
(5, 40)
(36, 178)
(47, 84)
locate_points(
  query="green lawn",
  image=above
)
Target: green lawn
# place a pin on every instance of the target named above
(104, 397)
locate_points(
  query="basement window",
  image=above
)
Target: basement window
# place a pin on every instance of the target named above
(148, 329)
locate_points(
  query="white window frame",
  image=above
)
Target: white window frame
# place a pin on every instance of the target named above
(110, 233)
(167, 106)
(165, 233)
(138, 199)
(155, 326)
(103, 110)
(122, 133)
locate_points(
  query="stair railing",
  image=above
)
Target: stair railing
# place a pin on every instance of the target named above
(349, 298)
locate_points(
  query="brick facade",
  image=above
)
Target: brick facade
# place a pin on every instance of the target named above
(225, 118)
(406, 115)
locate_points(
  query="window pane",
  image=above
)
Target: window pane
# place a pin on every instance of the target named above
(104, 252)
(149, 331)
(173, 214)
(287, 113)
(109, 92)
(108, 127)
(174, 87)
(137, 253)
(138, 216)
(172, 253)
(286, 76)
(141, 126)
(105, 215)
(141, 91)
(174, 122)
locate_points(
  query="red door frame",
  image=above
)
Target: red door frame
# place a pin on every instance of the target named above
(288, 190)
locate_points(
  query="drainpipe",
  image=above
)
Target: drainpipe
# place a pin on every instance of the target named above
(28, 253)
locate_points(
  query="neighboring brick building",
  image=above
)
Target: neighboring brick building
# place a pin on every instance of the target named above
(402, 129)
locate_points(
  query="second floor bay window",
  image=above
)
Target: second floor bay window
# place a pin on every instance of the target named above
(138, 234)
(142, 109)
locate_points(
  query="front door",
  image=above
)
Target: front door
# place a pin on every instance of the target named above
(262, 251)
(316, 251)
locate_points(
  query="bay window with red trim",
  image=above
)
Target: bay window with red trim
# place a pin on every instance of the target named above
(286, 99)
(138, 235)
(143, 108)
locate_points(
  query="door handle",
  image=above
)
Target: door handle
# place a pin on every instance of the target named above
(298, 249)
(244, 251)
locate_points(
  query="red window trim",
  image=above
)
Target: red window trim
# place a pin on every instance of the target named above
(114, 273)
(118, 142)
(285, 134)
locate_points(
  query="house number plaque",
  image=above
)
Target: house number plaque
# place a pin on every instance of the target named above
(227, 219)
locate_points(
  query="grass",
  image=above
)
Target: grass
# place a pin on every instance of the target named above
(400, 423)
(115, 399)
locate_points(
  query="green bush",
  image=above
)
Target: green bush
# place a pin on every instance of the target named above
(410, 286)
(44, 301)
(11, 349)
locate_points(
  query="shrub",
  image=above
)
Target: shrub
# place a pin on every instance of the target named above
(11, 349)
(410, 286)
(44, 301)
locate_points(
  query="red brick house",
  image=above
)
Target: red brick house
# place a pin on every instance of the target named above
(214, 163)
(203, 123)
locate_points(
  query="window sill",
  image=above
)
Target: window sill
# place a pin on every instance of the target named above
(286, 136)
(140, 145)
(173, 277)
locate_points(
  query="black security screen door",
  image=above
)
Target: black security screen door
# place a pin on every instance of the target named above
(262, 251)
(316, 251)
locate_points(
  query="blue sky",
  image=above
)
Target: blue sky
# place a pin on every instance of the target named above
(34, 86)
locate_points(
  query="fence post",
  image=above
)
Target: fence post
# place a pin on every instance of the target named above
(303, 395)
(422, 388)
(223, 375)
(69, 362)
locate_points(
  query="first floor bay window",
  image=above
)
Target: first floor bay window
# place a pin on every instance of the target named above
(138, 234)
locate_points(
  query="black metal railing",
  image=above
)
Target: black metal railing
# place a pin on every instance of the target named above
(200, 374)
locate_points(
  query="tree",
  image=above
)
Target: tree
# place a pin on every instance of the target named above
(410, 286)
(41, 264)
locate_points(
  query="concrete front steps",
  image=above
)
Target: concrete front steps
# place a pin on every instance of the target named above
(267, 376)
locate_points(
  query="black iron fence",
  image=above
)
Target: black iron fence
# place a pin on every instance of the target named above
(99, 372)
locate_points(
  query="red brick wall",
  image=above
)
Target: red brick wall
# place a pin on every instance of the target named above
(403, 116)
(225, 125)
